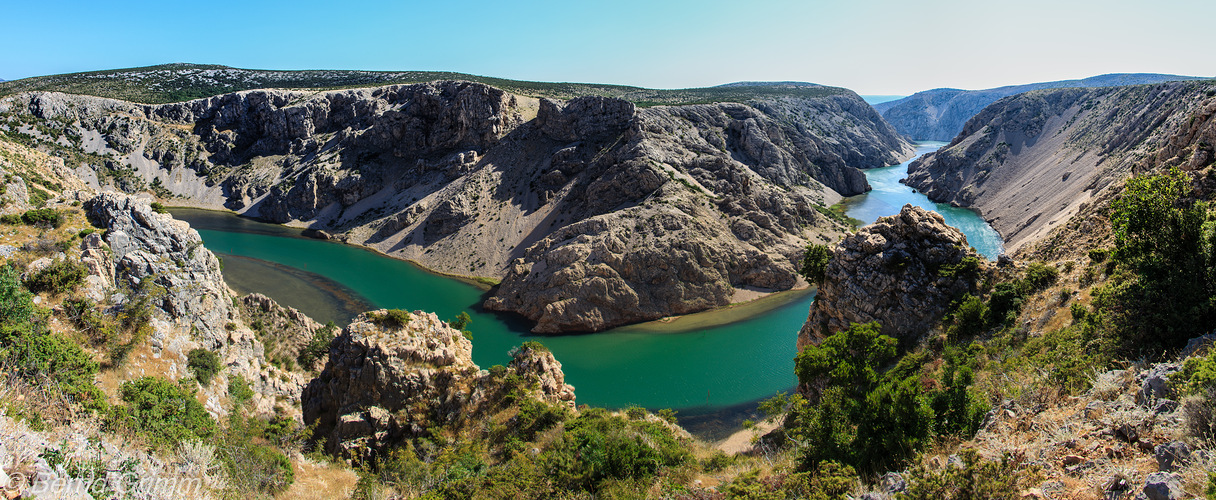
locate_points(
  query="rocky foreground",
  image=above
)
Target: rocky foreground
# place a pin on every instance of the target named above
(681, 205)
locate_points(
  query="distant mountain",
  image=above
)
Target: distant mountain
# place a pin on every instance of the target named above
(879, 99)
(939, 114)
(182, 82)
(770, 84)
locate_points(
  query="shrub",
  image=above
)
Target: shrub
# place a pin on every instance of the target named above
(970, 318)
(10, 219)
(204, 364)
(62, 276)
(165, 412)
(1098, 255)
(967, 267)
(37, 354)
(45, 217)
(318, 346)
(597, 447)
(395, 318)
(1168, 249)
(1040, 275)
(16, 304)
(251, 467)
(815, 263)
(865, 417)
(1005, 302)
(159, 208)
(461, 322)
(238, 391)
(976, 478)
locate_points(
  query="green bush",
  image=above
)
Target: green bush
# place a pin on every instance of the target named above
(597, 447)
(318, 346)
(815, 263)
(164, 412)
(159, 208)
(1198, 374)
(1164, 291)
(10, 219)
(37, 354)
(1040, 275)
(976, 478)
(969, 319)
(252, 468)
(395, 318)
(62, 276)
(865, 417)
(204, 364)
(45, 217)
(1098, 255)
(967, 267)
(461, 322)
(238, 391)
(16, 304)
(1005, 302)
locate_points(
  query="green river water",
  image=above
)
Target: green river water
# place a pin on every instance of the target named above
(712, 366)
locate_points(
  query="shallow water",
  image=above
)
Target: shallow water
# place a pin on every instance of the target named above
(889, 196)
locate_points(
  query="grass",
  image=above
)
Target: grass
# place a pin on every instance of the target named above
(182, 82)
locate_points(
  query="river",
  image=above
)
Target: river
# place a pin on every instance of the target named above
(712, 366)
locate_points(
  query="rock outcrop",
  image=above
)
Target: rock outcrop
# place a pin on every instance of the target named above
(903, 271)
(940, 114)
(145, 255)
(464, 178)
(155, 249)
(1031, 162)
(386, 382)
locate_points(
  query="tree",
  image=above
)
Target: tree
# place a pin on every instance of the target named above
(1164, 243)
(815, 263)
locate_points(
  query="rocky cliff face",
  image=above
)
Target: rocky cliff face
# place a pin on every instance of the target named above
(387, 382)
(903, 271)
(1030, 162)
(151, 255)
(467, 179)
(940, 114)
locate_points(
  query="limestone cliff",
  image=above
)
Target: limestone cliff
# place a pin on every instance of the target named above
(468, 179)
(388, 381)
(903, 271)
(151, 255)
(1028, 163)
(940, 114)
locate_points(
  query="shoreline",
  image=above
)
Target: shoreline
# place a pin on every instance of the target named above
(755, 304)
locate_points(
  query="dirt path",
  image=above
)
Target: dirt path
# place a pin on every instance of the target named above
(741, 441)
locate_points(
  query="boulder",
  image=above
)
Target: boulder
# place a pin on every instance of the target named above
(1162, 486)
(893, 272)
(387, 382)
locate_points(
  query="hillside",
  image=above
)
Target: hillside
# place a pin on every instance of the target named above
(1030, 162)
(939, 114)
(703, 200)
(182, 82)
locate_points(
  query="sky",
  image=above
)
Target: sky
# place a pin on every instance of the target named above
(869, 46)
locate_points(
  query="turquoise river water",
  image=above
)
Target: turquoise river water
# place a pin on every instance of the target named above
(715, 363)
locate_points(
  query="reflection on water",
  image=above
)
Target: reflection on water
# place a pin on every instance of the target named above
(889, 196)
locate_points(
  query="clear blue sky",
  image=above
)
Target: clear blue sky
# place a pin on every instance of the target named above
(871, 46)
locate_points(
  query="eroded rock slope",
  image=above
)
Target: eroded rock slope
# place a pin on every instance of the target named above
(1031, 162)
(689, 203)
